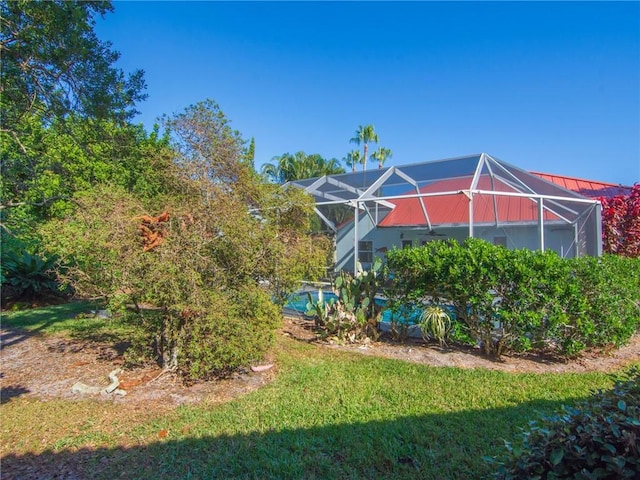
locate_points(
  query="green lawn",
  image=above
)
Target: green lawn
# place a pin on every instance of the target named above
(328, 414)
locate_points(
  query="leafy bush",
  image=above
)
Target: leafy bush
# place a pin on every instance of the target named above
(517, 300)
(25, 275)
(202, 295)
(610, 287)
(223, 339)
(596, 439)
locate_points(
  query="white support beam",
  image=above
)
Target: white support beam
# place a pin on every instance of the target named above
(598, 214)
(356, 239)
(378, 183)
(329, 223)
(470, 197)
(494, 198)
(541, 222)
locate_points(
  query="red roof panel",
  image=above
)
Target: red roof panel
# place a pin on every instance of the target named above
(454, 209)
(588, 188)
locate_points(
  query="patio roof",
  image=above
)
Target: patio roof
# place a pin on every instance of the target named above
(438, 192)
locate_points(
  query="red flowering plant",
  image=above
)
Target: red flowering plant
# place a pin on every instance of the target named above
(621, 223)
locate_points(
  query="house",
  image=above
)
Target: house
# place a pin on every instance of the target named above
(370, 212)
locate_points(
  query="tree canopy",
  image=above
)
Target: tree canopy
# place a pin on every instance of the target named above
(53, 65)
(288, 167)
(65, 107)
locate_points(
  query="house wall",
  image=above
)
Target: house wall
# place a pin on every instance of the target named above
(559, 238)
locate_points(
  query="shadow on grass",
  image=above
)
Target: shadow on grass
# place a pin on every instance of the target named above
(433, 446)
(26, 322)
(9, 392)
(64, 318)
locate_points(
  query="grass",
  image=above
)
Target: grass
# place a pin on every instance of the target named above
(328, 414)
(75, 319)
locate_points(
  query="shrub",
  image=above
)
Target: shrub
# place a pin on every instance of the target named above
(26, 275)
(610, 288)
(516, 300)
(235, 331)
(202, 294)
(595, 439)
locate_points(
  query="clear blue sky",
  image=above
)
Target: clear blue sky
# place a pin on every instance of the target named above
(547, 86)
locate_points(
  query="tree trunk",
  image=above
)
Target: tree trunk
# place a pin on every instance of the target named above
(364, 160)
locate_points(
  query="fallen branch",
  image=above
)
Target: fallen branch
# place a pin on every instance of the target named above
(80, 387)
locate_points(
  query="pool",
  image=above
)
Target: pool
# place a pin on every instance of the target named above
(297, 305)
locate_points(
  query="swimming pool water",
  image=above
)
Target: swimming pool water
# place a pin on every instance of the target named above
(410, 315)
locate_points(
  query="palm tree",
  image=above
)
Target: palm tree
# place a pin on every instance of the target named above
(352, 159)
(381, 155)
(364, 135)
(288, 167)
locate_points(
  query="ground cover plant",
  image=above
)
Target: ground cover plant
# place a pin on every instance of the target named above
(595, 438)
(327, 414)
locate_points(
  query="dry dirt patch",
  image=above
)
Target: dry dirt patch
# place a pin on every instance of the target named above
(415, 350)
(47, 367)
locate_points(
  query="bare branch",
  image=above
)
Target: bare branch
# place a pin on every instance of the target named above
(16, 138)
(35, 204)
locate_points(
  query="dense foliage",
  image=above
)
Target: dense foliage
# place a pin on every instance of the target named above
(174, 228)
(53, 65)
(621, 223)
(595, 439)
(515, 300)
(199, 267)
(297, 166)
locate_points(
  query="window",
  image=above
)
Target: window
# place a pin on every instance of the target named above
(502, 241)
(365, 251)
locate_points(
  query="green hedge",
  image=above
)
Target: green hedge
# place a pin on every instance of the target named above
(517, 300)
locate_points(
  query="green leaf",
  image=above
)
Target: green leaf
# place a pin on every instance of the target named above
(556, 456)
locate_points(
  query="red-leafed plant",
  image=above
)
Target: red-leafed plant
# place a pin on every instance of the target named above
(621, 223)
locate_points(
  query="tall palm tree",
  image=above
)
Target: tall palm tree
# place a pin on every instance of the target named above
(364, 135)
(381, 155)
(352, 159)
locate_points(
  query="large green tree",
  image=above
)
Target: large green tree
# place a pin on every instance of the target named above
(365, 134)
(297, 166)
(53, 65)
(65, 107)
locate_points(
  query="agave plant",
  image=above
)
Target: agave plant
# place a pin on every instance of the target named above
(30, 275)
(435, 324)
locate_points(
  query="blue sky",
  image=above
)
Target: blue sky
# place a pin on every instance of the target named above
(547, 86)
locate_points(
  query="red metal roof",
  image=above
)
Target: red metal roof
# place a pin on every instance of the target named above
(588, 188)
(454, 209)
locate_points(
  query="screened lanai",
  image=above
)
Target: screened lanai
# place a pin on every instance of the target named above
(372, 211)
